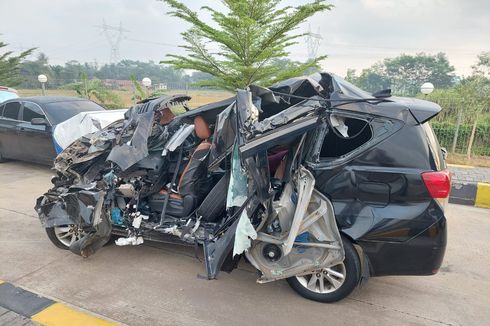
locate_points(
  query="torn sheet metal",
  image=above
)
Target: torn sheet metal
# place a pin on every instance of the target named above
(224, 136)
(98, 234)
(305, 183)
(215, 252)
(130, 152)
(74, 206)
(338, 122)
(178, 138)
(247, 113)
(292, 113)
(317, 245)
(81, 205)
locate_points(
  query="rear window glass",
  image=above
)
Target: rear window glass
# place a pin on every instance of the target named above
(61, 111)
(11, 110)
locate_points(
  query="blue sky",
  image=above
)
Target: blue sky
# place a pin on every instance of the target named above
(355, 34)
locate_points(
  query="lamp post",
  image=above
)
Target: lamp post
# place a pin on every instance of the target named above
(147, 83)
(43, 79)
(427, 88)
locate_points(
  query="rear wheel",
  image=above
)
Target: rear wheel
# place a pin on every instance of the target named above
(63, 236)
(333, 283)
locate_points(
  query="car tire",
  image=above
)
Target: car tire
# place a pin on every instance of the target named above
(55, 235)
(2, 158)
(350, 268)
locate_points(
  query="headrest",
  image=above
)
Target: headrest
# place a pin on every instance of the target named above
(166, 116)
(201, 127)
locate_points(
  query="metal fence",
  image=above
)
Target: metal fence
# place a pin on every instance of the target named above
(462, 129)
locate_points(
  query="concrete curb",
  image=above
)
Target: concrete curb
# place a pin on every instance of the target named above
(482, 198)
(42, 310)
(473, 194)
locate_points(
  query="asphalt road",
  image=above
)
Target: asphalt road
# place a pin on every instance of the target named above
(158, 283)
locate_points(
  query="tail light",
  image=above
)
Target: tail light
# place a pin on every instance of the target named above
(438, 183)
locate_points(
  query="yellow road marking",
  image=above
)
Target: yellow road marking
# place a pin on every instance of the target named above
(59, 314)
(483, 195)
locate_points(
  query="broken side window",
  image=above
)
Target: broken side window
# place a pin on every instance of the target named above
(344, 134)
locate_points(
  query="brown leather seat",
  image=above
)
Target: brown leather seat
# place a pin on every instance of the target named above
(197, 168)
(193, 183)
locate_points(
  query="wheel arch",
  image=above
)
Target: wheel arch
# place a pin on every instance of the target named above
(363, 258)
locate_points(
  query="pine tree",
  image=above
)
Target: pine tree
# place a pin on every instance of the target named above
(248, 38)
(10, 66)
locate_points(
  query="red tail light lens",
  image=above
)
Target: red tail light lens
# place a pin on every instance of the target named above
(438, 183)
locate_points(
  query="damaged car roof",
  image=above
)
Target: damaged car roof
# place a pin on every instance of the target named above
(334, 91)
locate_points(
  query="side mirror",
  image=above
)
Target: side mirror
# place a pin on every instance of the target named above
(39, 122)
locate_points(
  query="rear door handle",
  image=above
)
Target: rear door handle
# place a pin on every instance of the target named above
(21, 128)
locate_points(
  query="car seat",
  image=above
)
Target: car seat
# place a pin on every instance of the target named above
(193, 182)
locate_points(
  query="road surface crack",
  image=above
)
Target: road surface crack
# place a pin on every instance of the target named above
(403, 312)
(14, 211)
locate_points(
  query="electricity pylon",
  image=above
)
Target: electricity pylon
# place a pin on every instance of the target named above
(114, 36)
(313, 42)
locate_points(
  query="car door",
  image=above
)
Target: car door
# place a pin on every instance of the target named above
(360, 186)
(36, 140)
(9, 142)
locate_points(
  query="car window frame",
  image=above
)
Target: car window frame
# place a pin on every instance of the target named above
(42, 110)
(18, 114)
(324, 162)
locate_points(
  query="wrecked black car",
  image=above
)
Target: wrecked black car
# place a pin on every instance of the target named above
(312, 180)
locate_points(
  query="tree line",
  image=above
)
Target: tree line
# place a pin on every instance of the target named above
(73, 71)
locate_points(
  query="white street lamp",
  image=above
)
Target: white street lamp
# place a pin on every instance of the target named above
(426, 88)
(43, 79)
(147, 83)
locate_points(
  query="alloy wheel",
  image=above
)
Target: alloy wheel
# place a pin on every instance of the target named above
(324, 281)
(67, 234)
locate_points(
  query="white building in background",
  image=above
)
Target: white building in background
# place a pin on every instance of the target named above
(160, 87)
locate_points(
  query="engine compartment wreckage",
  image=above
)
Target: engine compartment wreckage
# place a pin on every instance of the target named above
(230, 176)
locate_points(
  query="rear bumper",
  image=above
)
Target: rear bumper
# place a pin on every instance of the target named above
(421, 255)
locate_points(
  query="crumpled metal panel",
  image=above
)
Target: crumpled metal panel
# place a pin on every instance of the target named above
(127, 154)
(98, 234)
(294, 112)
(81, 205)
(224, 136)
